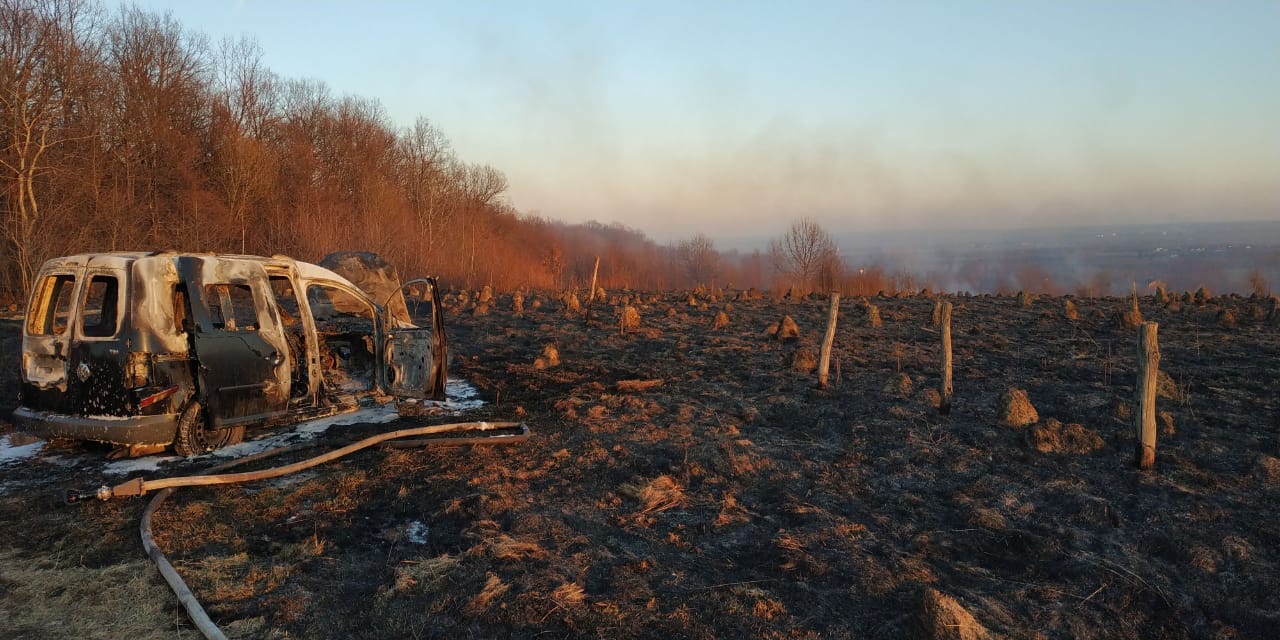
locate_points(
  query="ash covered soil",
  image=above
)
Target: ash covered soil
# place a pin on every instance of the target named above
(691, 482)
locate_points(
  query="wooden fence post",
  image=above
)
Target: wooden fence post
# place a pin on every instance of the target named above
(824, 360)
(1144, 415)
(592, 296)
(944, 322)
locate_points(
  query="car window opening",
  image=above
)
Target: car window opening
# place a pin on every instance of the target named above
(345, 327)
(98, 316)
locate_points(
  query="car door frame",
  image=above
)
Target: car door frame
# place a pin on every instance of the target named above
(416, 358)
(244, 375)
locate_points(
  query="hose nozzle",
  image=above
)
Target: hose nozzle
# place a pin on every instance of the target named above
(76, 497)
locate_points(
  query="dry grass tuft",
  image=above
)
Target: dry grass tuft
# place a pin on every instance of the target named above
(1122, 410)
(988, 519)
(493, 589)
(42, 599)
(1015, 409)
(873, 317)
(940, 617)
(551, 354)
(768, 609)
(731, 512)
(1131, 319)
(899, 386)
(427, 575)
(660, 494)
(1226, 319)
(1055, 437)
(504, 547)
(720, 321)
(569, 594)
(632, 386)
(629, 319)
(1267, 469)
(1167, 388)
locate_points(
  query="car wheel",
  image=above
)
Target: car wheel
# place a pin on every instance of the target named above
(194, 436)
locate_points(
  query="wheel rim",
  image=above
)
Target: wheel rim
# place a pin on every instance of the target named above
(206, 439)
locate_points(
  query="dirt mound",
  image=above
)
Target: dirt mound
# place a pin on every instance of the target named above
(803, 360)
(786, 329)
(1015, 409)
(940, 617)
(1055, 437)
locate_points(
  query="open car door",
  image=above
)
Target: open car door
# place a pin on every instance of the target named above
(417, 357)
(241, 348)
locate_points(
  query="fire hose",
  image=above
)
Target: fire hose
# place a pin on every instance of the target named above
(138, 487)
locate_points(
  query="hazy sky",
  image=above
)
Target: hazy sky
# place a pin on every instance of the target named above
(734, 118)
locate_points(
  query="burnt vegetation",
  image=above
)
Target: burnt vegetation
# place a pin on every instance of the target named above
(691, 482)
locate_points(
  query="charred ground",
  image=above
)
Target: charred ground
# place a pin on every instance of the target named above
(691, 482)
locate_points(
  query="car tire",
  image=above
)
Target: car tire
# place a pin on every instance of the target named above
(194, 437)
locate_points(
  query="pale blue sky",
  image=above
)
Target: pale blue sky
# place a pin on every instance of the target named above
(733, 118)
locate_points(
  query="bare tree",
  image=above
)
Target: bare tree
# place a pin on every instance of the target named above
(245, 87)
(161, 80)
(42, 52)
(426, 164)
(802, 252)
(700, 259)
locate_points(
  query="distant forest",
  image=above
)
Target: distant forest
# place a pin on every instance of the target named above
(121, 129)
(124, 130)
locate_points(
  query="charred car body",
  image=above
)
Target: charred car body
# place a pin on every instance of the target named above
(190, 349)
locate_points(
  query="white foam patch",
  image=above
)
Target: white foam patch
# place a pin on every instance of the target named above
(417, 532)
(17, 446)
(300, 432)
(130, 465)
(461, 397)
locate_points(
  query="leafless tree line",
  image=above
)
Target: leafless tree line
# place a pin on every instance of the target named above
(122, 130)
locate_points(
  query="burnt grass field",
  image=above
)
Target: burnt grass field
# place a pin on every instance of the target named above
(691, 482)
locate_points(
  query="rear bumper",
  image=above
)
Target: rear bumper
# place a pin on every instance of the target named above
(158, 429)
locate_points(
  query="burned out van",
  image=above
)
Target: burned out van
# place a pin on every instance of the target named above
(165, 348)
